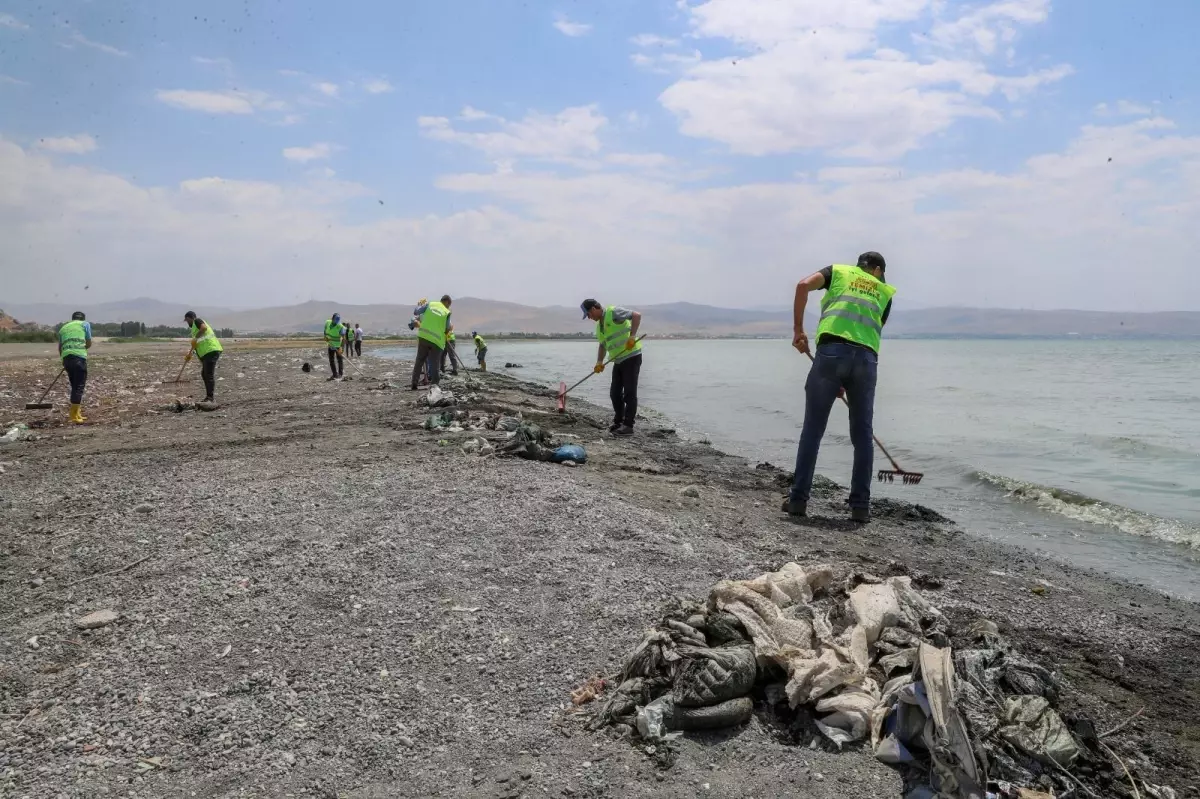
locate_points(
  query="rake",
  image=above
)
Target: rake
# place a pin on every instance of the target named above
(41, 404)
(562, 386)
(886, 475)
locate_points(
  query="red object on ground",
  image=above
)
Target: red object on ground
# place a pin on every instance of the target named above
(562, 397)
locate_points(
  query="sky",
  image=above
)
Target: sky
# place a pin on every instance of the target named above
(1011, 153)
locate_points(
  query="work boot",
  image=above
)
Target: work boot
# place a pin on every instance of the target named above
(795, 508)
(624, 430)
(860, 515)
(76, 414)
(614, 427)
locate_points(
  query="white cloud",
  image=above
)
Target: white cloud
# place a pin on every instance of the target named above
(209, 102)
(378, 86)
(326, 88)
(12, 81)
(72, 145)
(571, 132)
(666, 62)
(653, 40)
(9, 21)
(573, 29)
(222, 65)
(313, 152)
(108, 49)
(1123, 108)
(640, 160)
(815, 75)
(291, 119)
(1056, 231)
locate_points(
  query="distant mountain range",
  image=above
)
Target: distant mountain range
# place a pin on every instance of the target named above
(679, 318)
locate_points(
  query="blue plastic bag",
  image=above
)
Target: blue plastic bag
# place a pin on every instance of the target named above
(570, 452)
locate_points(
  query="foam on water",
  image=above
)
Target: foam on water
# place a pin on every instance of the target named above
(1093, 511)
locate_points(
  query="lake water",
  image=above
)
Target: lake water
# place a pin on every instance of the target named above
(1086, 450)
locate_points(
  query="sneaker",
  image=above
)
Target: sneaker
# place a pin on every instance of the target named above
(623, 430)
(331, 379)
(614, 427)
(795, 508)
(860, 515)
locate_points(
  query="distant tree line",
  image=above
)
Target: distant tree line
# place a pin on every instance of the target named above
(141, 330)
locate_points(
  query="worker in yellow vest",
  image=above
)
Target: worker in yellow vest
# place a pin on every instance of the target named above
(854, 310)
(333, 342)
(431, 321)
(207, 348)
(480, 350)
(74, 340)
(616, 330)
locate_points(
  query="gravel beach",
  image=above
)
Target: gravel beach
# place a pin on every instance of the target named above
(304, 593)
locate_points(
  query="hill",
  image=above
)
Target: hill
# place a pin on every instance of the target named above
(679, 318)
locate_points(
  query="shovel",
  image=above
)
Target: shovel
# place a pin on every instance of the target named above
(41, 404)
(886, 475)
(563, 391)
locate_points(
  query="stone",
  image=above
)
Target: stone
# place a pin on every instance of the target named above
(37, 582)
(145, 507)
(99, 618)
(690, 491)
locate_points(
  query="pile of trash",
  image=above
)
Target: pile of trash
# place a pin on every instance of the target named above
(15, 433)
(531, 442)
(861, 659)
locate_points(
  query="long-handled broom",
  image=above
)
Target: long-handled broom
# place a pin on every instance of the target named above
(886, 475)
(562, 386)
(41, 404)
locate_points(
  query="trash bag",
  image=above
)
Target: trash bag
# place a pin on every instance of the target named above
(437, 421)
(569, 452)
(1031, 725)
(529, 442)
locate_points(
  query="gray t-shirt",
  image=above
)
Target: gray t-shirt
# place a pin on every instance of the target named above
(621, 315)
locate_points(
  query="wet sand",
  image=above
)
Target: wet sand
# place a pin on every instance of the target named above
(317, 597)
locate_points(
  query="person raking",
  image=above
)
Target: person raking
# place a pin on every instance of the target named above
(431, 320)
(333, 342)
(74, 340)
(207, 348)
(480, 350)
(616, 330)
(854, 310)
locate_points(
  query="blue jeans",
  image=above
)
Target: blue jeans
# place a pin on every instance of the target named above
(839, 366)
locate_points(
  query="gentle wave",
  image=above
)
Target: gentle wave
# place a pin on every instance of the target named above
(1093, 511)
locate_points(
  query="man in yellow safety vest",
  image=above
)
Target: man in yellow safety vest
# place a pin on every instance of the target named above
(616, 330)
(207, 348)
(74, 340)
(432, 320)
(333, 342)
(854, 310)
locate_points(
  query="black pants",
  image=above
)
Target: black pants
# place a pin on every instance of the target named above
(358, 348)
(624, 390)
(208, 373)
(428, 356)
(451, 354)
(336, 364)
(77, 373)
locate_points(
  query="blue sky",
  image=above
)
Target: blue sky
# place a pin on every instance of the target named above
(643, 151)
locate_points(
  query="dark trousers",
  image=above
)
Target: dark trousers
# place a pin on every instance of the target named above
(208, 373)
(336, 364)
(838, 366)
(623, 392)
(76, 373)
(428, 356)
(358, 348)
(451, 354)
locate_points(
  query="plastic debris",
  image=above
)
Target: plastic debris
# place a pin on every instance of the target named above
(573, 453)
(14, 434)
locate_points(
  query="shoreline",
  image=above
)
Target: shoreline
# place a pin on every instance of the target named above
(405, 619)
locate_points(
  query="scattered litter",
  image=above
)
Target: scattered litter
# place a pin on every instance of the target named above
(15, 433)
(228, 648)
(508, 423)
(589, 691)
(437, 397)
(461, 609)
(306, 367)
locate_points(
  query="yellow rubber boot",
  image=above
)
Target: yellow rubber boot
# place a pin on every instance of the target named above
(77, 414)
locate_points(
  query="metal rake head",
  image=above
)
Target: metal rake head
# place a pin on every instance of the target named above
(908, 478)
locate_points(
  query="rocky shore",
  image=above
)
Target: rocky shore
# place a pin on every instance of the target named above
(306, 593)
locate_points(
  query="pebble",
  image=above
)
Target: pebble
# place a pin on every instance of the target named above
(145, 507)
(92, 621)
(690, 491)
(406, 742)
(37, 582)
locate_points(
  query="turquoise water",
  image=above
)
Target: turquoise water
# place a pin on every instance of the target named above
(1084, 450)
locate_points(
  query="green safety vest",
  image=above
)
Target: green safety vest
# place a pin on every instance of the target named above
(853, 306)
(613, 336)
(206, 343)
(433, 324)
(333, 334)
(72, 336)
(450, 337)
(480, 344)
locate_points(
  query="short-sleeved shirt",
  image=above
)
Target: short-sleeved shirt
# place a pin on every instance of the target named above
(358, 334)
(827, 273)
(621, 315)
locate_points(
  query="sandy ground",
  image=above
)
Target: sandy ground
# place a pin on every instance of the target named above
(315, 597)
